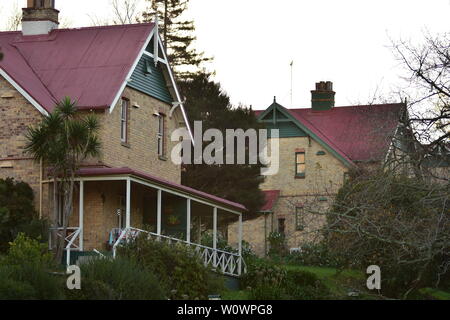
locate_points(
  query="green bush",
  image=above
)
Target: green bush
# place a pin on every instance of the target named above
(277, 244)
(266, 292)
(27, 251)
(304, 285)
(178, 268)
(261, 272)
(26, 272)
(17, 213)
(116, 279)
(313, 254)
(267, 281)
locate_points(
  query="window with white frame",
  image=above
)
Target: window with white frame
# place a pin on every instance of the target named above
(124, 120)
(161, 134)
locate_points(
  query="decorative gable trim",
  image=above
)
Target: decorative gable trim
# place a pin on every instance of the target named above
(171, 79)
(276, 107)
(130, 72)
(24, 93)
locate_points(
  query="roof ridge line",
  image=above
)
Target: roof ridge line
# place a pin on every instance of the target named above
(34, 72)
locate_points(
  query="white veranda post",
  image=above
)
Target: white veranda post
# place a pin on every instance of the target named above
(215, 236)
(240, 244)
(158, 217)
(81, 215)
(188, 220)
(128, 205)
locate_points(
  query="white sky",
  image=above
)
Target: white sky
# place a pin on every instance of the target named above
(253, 42)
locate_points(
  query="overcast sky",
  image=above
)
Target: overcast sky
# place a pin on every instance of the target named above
(254, 41)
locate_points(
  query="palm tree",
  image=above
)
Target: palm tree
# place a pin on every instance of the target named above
(62, 141)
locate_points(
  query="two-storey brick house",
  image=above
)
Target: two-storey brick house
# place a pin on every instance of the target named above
(317, 147)
(120, 73)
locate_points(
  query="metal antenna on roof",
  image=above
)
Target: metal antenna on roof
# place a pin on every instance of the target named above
(292, 67)
(156, 40)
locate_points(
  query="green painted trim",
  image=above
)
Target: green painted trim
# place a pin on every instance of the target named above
(309, 132)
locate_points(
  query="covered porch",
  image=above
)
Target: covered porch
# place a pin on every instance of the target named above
(115, 205)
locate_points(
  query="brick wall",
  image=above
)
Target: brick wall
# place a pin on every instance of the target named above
(141, 153)
(16, 114)
(324, 176)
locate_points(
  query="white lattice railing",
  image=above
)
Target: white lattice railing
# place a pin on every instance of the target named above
(71, 240)
(225, 262)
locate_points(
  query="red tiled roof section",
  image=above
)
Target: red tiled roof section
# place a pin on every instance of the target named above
(270, 199)
(357, 133)
(103, 171)
(362, 133)
(86, 64)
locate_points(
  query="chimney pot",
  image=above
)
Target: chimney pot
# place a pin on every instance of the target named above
(323, 97)
(39, 17)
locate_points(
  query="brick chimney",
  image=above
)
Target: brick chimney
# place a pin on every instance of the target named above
(323, 97)
(39, 17)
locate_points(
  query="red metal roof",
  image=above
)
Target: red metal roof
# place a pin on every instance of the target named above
(270, 198)
(357, 133)
(92, 172)
(87, 64)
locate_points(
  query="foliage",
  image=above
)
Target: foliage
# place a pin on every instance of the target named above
(178, 36)
(62, 141)
(17, 213)
(314, 254)
(116, 279)
(269, 281)
(24, 250)
(25, 272)
(304, 285)
(177, 267)
(398, 223)
(261, 272)
(207, 102)
(277, 244)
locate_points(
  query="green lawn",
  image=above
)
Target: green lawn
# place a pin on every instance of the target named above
(435, 293)
(340, 283)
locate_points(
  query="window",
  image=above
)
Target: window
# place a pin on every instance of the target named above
(161, 135)
(346, 177)
(299, 221)
(124, 121)
(281, 226)
(300, 165)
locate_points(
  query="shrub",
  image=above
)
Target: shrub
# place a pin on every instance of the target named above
(262, 273)
(17, 213)
(267, 281)
(116, 279)
(304, 285)
(178, 268)
(266, 292)
(26, 272)
(313, 254)
(277, 244)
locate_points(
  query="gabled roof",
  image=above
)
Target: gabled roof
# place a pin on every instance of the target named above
(104, 171)
(354, 133)
(270, 199)
(87, 64)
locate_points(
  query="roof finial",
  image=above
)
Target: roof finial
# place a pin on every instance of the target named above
(156, 40)
(274, 99)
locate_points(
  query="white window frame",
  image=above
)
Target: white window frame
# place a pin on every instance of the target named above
(124, 120)
(160, 135)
